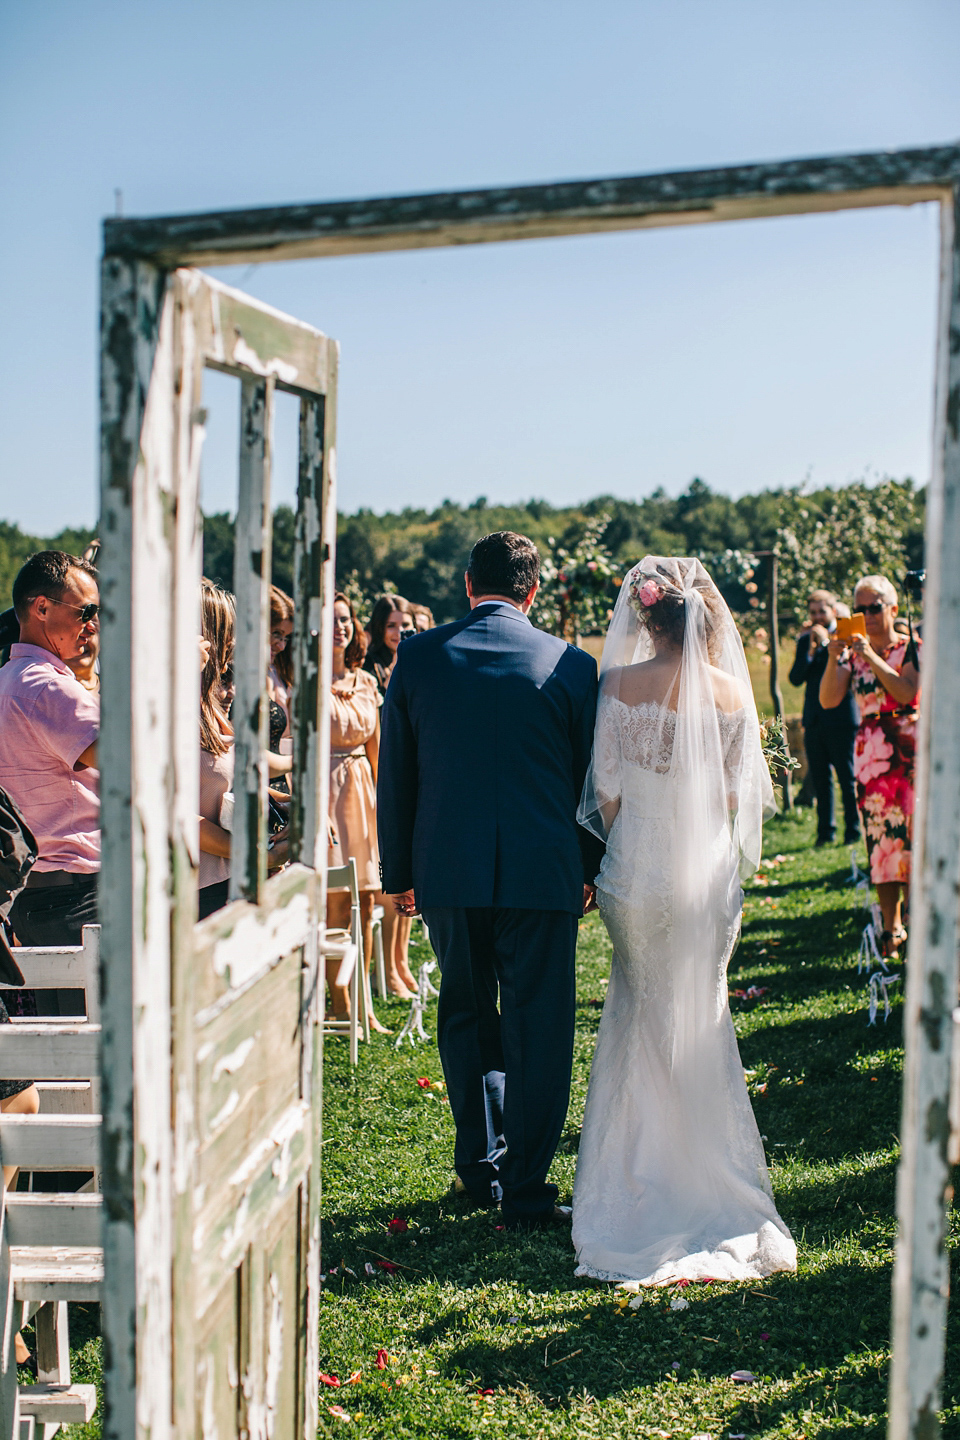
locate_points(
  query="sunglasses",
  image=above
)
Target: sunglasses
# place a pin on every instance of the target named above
(877, 608)
(84, 613)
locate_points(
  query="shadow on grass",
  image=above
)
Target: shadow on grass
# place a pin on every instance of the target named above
(809, 1322)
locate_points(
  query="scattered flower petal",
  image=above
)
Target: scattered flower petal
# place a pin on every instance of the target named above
(675, 1365)
(338, 1412)
(398, 1226)
(678, 1303)
(370, 1270)
(743, 1377)
(388, 1265)
(330, 1380)
(636, 1301)
(355, 1378)
(764, 1335)
(424, 1082)
(383, 1359)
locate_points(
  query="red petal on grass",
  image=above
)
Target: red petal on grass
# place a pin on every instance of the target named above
(484, 1392)
(398, 1226)
(330, 1380)
(424, 1083)
(388, 1265)
(383, 1359)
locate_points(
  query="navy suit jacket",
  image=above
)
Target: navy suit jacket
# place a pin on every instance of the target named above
(807, 669)
(486, 737)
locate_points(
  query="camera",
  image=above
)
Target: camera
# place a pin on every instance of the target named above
(914, 580)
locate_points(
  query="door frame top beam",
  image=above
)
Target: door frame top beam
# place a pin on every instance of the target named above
(469, 217)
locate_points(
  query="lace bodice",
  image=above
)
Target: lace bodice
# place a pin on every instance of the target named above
(644, 735)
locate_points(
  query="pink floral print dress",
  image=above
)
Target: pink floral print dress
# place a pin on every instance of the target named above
(883, 765)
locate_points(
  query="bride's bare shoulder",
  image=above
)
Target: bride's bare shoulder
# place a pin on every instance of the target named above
(635, 684)
(727, 691)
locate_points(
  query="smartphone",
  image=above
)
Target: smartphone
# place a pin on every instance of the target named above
(848, 626)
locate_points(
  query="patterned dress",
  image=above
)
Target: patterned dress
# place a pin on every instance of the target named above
(883, 764)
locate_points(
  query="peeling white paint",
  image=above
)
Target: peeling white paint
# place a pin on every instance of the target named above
(245, 355)
(225, 1111)
(259, 939)
(274, 1355)
(230, 1064)
(208, 1421)
(184, 1139)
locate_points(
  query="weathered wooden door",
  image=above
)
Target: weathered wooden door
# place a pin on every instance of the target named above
(211, 1052)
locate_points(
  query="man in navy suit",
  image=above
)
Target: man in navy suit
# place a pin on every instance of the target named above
(487, 731)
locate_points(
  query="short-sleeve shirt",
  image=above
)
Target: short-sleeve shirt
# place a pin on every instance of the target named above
(47, 720)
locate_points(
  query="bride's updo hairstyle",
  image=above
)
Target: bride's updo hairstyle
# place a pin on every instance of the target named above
(661, 601)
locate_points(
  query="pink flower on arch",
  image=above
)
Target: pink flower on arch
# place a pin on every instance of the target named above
(889, 861)
(872, 755)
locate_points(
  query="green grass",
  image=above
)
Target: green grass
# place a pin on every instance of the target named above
(472, 1309)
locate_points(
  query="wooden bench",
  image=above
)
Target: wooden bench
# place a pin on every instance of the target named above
(51, 1249)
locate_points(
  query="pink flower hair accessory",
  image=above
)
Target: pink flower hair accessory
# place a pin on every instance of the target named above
(649, 593)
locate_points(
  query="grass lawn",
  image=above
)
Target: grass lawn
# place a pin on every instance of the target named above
(488, 1334)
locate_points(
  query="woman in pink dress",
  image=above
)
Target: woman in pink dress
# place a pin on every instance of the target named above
(883, 670)
(354, 752)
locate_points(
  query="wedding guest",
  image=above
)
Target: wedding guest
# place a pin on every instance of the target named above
(422, 617)
(218, 623)
(882, 672)
(48, 754)
(354, 753)
(828, 735)
(280, 689)
(86, 666)
(390, 621)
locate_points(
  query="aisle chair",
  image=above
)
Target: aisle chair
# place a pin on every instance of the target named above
(348, 945)
(381, 972)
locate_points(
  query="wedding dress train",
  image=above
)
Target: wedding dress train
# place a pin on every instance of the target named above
(671, 1179)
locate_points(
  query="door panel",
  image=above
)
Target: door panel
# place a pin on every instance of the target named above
(212, 1248)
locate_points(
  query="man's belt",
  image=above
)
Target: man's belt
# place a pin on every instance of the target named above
(44, 879)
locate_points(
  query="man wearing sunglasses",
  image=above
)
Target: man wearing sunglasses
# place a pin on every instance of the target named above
(49, 725)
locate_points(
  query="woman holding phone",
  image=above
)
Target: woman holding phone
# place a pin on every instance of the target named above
(881, 668)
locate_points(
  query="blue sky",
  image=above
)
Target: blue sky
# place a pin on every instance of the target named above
(751, 354)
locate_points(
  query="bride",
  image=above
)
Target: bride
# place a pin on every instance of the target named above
(671, 1180)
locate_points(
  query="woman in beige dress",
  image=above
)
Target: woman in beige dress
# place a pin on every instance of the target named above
(354, 750)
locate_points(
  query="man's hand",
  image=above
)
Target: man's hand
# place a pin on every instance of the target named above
(589, 898)
(404, 903)
(820, 635)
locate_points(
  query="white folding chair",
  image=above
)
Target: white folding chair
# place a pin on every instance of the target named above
(381, 972)
(348, 946)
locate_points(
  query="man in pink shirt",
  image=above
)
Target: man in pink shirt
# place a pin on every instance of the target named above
(49, 725)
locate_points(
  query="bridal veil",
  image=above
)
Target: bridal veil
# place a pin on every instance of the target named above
(672, 1179)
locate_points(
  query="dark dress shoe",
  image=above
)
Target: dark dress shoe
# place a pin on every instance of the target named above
(459, 1191)
(543, 1220)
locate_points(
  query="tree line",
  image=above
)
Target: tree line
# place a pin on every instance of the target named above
(824, 538)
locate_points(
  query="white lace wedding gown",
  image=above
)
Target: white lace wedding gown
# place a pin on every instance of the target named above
(671, 1180)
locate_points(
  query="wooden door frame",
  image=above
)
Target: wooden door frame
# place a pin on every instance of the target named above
(160, 328)
(146, 248)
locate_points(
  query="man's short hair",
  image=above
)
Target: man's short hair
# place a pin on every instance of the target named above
(823, 597)
(46, 574)
(504, 563)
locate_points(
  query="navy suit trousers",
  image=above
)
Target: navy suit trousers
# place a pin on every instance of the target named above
(830, 746)
(507, 1069)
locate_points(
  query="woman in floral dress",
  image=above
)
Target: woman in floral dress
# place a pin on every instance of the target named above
(883, 671)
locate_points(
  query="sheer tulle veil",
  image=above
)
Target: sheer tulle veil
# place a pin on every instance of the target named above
(671, 1177)
(712, 679)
